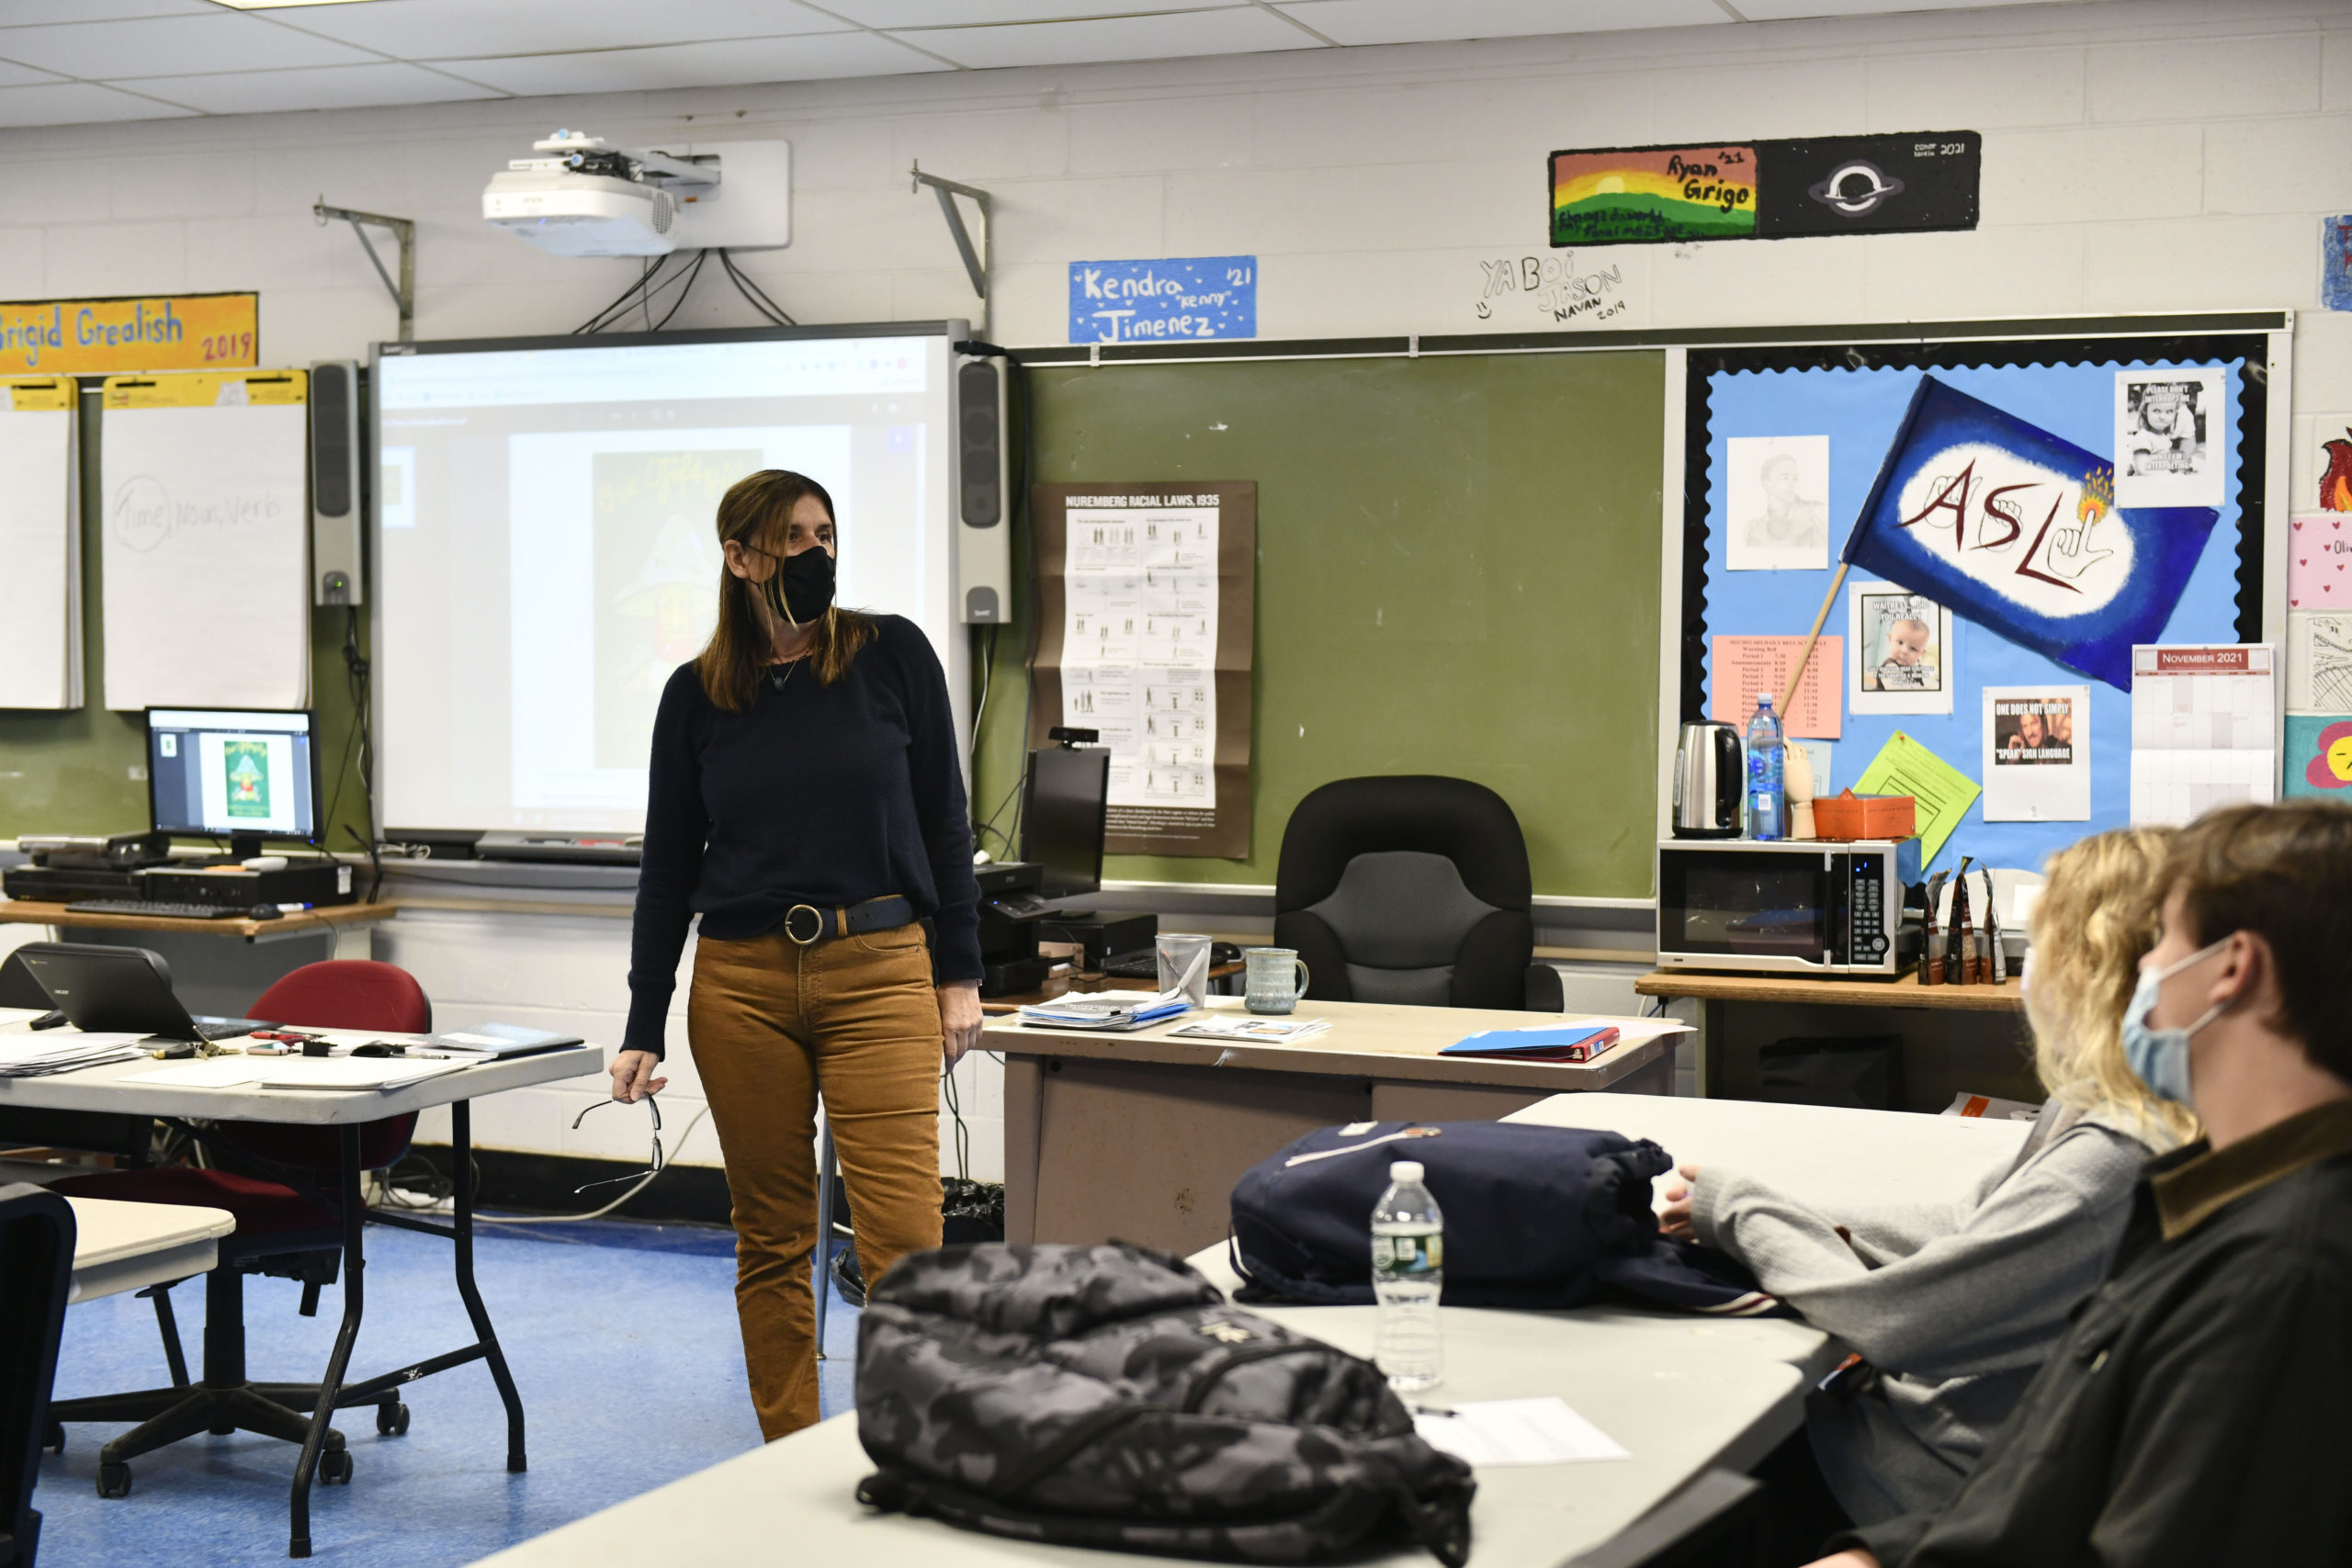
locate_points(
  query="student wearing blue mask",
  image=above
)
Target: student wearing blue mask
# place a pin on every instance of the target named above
(1953, 1305)
(2194, 1412)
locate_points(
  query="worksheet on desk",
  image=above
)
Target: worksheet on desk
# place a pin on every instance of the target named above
(1139, 647)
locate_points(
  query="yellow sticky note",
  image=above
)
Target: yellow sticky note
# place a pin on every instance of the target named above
(1902, 766)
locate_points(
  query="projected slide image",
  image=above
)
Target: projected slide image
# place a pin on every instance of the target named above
(657, 581)
(248, 781)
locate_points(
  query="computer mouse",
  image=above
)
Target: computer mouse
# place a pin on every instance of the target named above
(378, 1048)
(52, 1020)
(265, 912)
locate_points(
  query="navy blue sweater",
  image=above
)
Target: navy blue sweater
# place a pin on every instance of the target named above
(814, 795)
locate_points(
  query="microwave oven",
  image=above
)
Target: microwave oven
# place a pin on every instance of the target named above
(1785, 906)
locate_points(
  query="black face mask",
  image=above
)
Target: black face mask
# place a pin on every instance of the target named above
(801, 587)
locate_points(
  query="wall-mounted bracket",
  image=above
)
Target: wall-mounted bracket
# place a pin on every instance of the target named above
(403, 293)
(975, 261)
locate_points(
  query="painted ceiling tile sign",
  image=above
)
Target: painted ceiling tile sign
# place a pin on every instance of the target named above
(1163, 301)
(1908, 183)
(133, 334)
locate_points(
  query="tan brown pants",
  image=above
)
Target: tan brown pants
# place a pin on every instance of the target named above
(772, 1026)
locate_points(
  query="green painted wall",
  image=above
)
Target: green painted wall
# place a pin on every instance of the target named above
(1457, 572)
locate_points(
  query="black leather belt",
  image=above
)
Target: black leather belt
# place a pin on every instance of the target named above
(809, 924)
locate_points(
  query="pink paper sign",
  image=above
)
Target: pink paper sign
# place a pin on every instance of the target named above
(1743, 666)
(2319, 562)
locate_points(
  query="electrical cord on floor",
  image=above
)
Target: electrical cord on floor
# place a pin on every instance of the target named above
(642, 1183)
(438, 1188)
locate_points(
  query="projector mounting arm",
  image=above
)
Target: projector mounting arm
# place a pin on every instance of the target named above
(976, 264)
(405, 229)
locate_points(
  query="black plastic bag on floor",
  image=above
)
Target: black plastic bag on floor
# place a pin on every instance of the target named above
(969, 1211)
(1110, 1398)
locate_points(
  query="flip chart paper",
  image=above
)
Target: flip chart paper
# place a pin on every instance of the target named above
(204, 554)
(1743, 666)
(41, 648)
(1902, 766)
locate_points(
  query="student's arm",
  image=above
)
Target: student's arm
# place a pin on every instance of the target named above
(1990, 1296)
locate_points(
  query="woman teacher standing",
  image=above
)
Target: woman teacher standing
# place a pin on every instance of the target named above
(805, 801)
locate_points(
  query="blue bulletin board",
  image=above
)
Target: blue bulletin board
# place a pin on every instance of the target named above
(1856, 397)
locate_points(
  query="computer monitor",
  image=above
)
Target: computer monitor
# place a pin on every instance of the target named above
(1061, 817)
(245, 774)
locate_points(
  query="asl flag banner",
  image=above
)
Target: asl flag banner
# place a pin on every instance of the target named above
(2018, 530)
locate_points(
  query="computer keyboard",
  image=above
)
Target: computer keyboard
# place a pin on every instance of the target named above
(156, 908)
(1141, 964)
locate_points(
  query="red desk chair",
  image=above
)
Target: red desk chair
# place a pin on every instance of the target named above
(291, 1233)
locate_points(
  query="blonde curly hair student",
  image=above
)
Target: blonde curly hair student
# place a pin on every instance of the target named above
(1953, 1307)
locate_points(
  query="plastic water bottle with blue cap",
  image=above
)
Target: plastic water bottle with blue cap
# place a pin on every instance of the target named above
(1768, 811)
(1407, 1276)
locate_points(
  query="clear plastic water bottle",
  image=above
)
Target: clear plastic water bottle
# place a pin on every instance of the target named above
(1767, 805)
(1407, 1275)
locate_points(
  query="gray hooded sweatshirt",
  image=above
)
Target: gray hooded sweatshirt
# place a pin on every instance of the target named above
(1956, 1303)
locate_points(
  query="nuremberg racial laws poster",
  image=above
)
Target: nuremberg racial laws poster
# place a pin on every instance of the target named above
(1146, 610)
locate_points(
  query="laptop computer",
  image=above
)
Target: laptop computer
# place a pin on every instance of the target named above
(119, 991)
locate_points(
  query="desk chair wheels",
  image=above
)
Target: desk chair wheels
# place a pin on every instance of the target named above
(114, 1481)
(392, 1420)
(335, 1467)
(54, 1439)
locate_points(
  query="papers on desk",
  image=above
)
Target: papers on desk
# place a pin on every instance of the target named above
(1265, 1030)
(299, 1072)
(1488, 1432)
(1105, 1012)
(40, 1056)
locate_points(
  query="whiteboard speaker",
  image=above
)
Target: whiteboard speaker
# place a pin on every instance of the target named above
(983, 485)
(335, 482)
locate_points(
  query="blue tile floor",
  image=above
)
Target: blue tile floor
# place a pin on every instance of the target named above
(622, 1339)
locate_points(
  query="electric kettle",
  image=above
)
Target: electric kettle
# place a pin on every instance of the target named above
(1707, 780)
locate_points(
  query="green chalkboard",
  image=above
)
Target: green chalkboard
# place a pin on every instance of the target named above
(1458, 573)
(84, 770)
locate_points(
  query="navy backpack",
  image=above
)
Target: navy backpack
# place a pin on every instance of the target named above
(1534, 1217)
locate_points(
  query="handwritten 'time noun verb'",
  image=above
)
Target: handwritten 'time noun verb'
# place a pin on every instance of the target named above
(145, 514)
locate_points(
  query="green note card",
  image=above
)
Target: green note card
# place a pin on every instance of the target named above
(1902, 766)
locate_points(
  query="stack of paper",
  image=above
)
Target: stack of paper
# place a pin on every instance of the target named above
(1276, 1030)
(38, 1055)
(1107, 1011)
(496, 1041)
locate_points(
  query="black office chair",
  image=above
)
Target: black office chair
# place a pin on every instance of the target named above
(36, 1274)
(1410, 888)
(1716, 1521)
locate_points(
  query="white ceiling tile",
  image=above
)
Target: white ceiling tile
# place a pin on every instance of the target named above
(1417, 21)
(441, 30)
(13, 75)
(327, 87)
(1791, 10)
(698, 65)
(76, 103)
(27, 13)
(1235, 31)
(224, 41)
(989, 13)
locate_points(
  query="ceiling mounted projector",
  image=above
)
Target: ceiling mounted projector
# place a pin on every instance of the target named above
(582, 197)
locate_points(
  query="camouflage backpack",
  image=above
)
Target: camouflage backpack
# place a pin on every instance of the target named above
(1109, 1397)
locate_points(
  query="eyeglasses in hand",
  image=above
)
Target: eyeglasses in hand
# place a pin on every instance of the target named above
(650, 1104)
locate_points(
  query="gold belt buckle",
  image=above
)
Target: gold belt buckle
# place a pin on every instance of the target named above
(817, 917)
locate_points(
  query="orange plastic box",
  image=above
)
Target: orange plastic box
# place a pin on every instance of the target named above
(1851, 816)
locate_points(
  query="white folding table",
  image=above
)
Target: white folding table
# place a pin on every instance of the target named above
(115, 1087)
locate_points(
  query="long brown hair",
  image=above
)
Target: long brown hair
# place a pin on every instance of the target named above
(758, 508)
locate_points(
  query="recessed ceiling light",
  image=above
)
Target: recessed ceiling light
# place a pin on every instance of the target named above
(281, 4)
